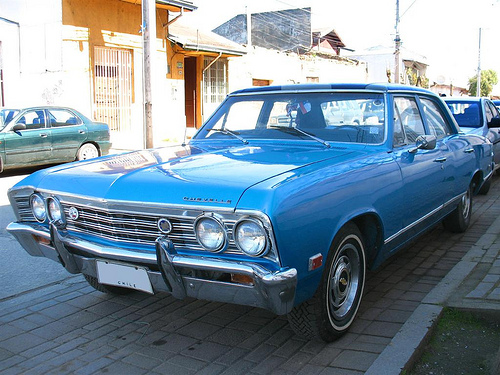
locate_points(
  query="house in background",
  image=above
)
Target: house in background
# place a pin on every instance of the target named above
(282, 48)
(445, 89)
(204, 57)
(88, 54)
(380, 63)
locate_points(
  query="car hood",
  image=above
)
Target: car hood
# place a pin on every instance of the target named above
(187, 175)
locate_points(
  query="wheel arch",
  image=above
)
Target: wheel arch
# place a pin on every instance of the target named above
(370, 227)
(477, 180)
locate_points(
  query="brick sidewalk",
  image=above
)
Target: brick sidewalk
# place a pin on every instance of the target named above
(70, 328)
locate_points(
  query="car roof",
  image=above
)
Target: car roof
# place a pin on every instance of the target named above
(383, 87)
(464, 99)
(47, 107)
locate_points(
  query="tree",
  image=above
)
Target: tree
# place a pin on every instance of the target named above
(489, 79)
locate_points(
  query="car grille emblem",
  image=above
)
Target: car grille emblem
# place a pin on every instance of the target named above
(73, 213)
(164, 226)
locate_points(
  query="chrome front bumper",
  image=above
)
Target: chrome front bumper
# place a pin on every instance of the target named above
(274, 291)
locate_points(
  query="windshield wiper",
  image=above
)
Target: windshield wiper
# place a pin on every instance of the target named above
(300, 131)
(229, 132)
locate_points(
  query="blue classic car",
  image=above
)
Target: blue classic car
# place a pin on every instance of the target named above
(269, 205)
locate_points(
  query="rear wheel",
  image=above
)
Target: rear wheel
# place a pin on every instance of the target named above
(94, 283)
(458, 221)
(87, 151)
(331, 311)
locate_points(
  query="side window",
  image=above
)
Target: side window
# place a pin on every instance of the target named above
(491, 111)
(61, 117)
(407, 116)
(488, 112)
(438, 125)
(33, 120)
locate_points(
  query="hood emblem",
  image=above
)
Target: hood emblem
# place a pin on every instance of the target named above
(207, 200)
(164, 225)
(73, 213)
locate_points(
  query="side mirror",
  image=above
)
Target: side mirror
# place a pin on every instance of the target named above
(424, 142)
(19, 127)
(494, 123)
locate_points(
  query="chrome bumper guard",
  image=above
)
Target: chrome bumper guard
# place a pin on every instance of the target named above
(274, 291)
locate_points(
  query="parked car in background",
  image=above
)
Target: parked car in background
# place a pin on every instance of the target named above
(343, 112)
(274, 209)
(478, 116)
(497, 104)
(49, 135)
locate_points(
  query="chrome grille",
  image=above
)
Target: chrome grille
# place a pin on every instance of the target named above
(23, 208)
(139, 228)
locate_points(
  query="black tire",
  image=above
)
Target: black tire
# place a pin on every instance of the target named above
(331, 311)
(109, 289)
(458, 221)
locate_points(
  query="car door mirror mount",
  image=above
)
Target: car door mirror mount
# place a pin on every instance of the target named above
(424, 142)
(19, 127)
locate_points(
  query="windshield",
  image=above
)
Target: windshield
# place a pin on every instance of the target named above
(467, 114)
(322, 117)
(6, 115)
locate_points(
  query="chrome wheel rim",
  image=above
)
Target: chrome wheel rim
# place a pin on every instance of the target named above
(466, 204)
(89, 152)
(344, 282)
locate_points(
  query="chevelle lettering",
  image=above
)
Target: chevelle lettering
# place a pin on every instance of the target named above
(280, 201)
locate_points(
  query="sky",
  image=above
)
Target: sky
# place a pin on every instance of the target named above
(446, 32)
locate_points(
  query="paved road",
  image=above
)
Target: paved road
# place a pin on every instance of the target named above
(67, 327)
(20, 272)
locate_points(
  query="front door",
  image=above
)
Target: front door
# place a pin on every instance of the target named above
(423, 171)
(32, 145)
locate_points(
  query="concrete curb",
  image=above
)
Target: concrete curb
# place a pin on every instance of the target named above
(406, 346)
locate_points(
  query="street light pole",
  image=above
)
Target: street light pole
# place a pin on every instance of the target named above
(148, 26)
(397, 46)
(478, 88)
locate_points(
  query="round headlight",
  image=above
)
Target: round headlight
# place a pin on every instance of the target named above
(250, 237)
(55, 209)
(210, 233)
(38, 207)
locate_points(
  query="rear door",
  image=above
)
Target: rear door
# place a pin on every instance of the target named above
(29, 146)
(490, 112)
(68, 133)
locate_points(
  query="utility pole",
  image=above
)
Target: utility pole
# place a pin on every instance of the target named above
(397, 41)
(148, 27)
(478, 88)
(249, 27)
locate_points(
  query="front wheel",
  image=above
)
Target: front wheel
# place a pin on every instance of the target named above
(331, 311)
(458, 221)
(87, 151)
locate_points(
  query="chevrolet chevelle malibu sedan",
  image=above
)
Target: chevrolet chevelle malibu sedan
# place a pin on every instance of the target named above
(269, 205)
(49, 135)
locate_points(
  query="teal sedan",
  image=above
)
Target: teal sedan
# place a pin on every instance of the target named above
(49, 135)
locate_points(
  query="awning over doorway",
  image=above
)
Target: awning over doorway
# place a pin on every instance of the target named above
(172, 5)
(195, 40)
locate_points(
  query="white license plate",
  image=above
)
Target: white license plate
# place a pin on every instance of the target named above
(123, 276)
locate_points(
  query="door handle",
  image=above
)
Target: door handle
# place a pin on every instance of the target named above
(469, 150)
(81, 131)
(43, 135)
(440, 160)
